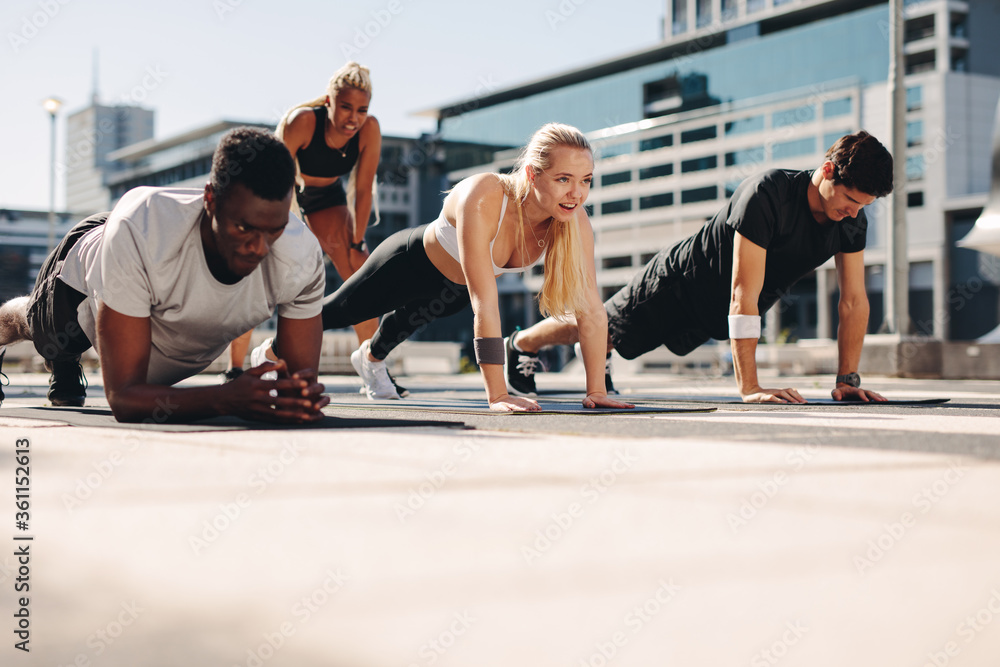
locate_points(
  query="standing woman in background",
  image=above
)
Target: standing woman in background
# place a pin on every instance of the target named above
(331, 137)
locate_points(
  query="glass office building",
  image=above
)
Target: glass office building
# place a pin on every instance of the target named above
(740, 86)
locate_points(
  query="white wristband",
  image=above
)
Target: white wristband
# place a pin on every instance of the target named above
(744, 326)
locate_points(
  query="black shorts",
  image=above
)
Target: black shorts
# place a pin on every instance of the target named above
(52, 316)
(650, 311)
(312, 198)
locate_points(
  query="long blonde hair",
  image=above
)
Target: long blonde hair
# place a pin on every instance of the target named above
(351, 75)
(567, 281)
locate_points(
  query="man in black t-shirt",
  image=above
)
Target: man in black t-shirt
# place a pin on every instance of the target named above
(777, 227)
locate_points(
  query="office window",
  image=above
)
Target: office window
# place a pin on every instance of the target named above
(744, 125)
(914, 98)
(786, 117)
(834, 108)
(616, 178)
(616, 262)
(699, 134)
(914, 199)
(656, 142)
(794, 148)
(656, 201)
(753, 155)
(914, 133)
(915, 167)
(699, 164)
(707, 193)
(617, 206)
(656, 171)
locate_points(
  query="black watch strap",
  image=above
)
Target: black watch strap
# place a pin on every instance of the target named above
(359, 246)
(851, 379)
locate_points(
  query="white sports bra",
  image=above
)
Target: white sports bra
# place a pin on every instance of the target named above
(447, 236)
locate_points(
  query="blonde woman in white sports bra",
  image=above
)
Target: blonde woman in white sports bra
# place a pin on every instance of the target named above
(490, 224)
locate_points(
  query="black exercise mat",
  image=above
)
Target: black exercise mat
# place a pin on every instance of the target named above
(478, 407)
(102, 418)
(824, 402)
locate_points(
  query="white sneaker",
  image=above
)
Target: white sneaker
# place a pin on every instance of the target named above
(259, 355)
(374, 374)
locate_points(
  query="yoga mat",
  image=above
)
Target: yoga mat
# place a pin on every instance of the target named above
(478, 407)
(102, 418)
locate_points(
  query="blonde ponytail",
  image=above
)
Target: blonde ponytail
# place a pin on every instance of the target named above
(567, 281)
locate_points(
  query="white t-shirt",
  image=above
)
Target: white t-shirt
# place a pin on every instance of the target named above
(148, 261)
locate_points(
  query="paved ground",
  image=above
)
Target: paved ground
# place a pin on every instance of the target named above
(848, 535)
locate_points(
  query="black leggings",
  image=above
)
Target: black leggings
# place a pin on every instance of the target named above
(397, 277)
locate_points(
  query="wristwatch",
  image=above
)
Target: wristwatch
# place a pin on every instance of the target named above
(359, 246)
(851, 379)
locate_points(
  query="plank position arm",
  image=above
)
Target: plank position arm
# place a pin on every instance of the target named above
(853, 313)
(749, 261)
(592, 327)
(124, 345)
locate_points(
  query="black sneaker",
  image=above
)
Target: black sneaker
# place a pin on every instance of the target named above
(520, 368)
(231, 375)
(3, 378)
(67, 384)
(609, 385)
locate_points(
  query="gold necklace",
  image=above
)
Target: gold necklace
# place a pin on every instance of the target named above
(520, 221)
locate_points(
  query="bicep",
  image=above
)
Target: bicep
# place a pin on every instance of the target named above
(124, 344)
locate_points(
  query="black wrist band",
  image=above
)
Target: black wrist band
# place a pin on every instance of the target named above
(489, 351)
(359, 246)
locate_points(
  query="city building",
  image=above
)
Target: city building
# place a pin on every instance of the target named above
(92, 134)
(739, 86)
(24, 244)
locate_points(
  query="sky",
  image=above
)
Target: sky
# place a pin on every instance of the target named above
(198, 61)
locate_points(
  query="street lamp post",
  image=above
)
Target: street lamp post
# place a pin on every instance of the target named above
(52, 105)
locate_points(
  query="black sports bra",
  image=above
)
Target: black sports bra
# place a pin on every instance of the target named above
(319, 160)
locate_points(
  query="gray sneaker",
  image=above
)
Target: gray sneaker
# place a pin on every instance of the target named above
(374, 374)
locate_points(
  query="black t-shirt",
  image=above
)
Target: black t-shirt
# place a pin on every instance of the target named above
(772, 210)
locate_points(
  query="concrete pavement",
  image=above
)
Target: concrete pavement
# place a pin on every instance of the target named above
(746, 536)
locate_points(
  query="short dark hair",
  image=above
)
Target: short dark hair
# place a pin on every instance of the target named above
(256, 158)
(862, 163)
